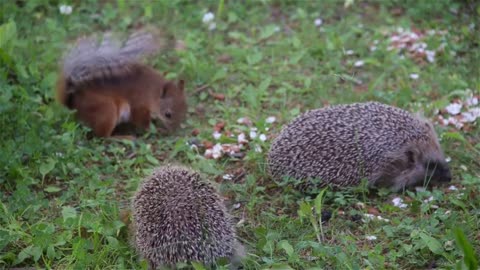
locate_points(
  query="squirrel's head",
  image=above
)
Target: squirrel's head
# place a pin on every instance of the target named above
(172, 105)
(419, 163)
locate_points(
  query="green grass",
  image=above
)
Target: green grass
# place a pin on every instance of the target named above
(65, 198)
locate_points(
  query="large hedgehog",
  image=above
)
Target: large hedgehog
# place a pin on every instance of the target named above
(341, 145)
(178, 217)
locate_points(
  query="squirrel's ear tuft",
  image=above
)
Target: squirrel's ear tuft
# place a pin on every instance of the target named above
(181, 85)
(167, 88)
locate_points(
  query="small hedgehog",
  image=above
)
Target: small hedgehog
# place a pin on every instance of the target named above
(341, 145)
(178, 217)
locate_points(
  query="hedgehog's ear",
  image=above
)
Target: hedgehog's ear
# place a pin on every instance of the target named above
(410, 157)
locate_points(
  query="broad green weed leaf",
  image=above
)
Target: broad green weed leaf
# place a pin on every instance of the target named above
(432, 243)
(52, 189)
(68, 212)
(8, 32)
(25, 254)
(47, 167)
(318, 201)
(287, 247)
(268, 31)
(51, 251)
(254, 58)
(305, 209)
(265, 84)
(152, 159)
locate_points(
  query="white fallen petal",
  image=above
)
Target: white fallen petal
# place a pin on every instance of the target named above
(452, 187)
(471, 101)
(371, 237)
(468, 117)
(428, 200)
(262, 137)
(358, 63)
(65, 9)
(430, 56)
(217, 151)
(227, 177)
(271, 119)
(414, 76)
(318, 22)
(242, 138)
(398, 202)
(253, 134)
(475, 112)
(349, 52)
(454, 108)
(216, 135)
(208, 17)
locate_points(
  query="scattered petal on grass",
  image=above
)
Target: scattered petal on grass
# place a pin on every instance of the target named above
(258, 148)
(208, 17)
(452, 187)
(429, 199)
(318, 22)
(454, 108)
(368, 217)
(371, 237)
(448, 159)
(242, 138)
(414, 76)
(358, 63)
(430, 56)
(262, 137)
(237, 205)
(244, 121)
(411, 43)
(271, 119)
(216, 135)
(65, 9)
(253, 134)
(227, 177)
(217, 151)
(471, 101)
(398, 202)
(349, 52)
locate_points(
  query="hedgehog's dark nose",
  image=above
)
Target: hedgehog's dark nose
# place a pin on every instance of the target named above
(446, 174)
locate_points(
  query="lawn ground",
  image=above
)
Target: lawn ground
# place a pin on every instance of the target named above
(64, 197)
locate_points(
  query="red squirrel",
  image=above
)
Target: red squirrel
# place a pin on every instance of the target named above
(107, 84)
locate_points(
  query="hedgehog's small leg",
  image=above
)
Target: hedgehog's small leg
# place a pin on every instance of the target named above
(151, 265)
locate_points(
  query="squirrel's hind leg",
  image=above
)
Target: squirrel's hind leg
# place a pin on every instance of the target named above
(98, 112)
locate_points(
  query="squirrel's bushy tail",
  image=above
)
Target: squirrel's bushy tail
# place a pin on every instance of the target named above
(94, 58)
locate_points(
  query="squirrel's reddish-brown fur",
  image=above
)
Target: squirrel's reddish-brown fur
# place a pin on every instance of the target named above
(107, 85)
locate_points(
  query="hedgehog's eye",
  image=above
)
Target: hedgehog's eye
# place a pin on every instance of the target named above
(168, 114)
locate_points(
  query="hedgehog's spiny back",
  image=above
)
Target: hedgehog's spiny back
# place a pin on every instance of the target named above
(180, 218)
(340, 145)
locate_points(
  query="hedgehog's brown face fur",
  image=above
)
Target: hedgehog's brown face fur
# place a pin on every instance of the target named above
(419, 163)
